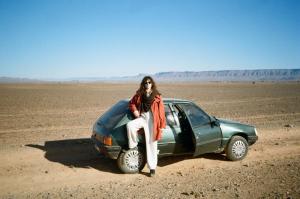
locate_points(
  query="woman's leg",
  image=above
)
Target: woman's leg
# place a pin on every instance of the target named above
(151, 145)
(132, 127)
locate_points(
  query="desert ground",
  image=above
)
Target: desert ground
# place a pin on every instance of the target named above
(46, 152)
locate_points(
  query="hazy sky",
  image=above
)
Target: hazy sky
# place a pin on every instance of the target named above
(87, 38)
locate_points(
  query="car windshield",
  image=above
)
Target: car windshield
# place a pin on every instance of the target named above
(111, 117)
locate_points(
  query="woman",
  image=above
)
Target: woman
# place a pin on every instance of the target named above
(148, 108)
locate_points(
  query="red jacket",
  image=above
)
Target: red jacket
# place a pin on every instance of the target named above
(158, 110)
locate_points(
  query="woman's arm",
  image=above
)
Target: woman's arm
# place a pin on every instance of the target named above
(133, 106)
(162, 116)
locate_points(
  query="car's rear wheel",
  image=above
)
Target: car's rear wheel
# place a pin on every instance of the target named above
(132, 160)
(237, 148)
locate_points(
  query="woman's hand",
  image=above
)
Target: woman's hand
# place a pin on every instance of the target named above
(136, 114)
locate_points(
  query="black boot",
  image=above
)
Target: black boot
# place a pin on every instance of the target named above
(152, 172)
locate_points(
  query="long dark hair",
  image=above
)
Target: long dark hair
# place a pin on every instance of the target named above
(142, 89)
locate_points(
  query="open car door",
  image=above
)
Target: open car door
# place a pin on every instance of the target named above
(208, 134)
(174, 140)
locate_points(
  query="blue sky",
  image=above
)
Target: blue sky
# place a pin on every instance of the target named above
(95, 38)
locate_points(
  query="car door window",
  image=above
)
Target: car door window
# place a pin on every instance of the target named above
(169, 116)
(196, 116)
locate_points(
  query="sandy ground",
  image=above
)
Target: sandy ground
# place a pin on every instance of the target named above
(45, 150)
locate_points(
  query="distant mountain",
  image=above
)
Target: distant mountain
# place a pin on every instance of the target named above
(225, 75)
(187, 76)
(18, 80)
(232, 75)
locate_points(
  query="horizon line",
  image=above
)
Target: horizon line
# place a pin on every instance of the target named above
(138, 74)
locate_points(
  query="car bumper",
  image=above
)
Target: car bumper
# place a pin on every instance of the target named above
(109, 151)
(252, 139)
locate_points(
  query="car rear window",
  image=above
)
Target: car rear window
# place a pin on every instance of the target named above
(111, 117)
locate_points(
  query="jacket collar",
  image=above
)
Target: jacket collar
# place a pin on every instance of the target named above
(157, 98)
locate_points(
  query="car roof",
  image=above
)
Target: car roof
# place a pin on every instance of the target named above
(175, 100)
(170, 100)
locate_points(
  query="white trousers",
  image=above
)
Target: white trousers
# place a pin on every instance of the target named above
(144, 121)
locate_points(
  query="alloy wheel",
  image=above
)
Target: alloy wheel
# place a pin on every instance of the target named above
(239, 149)
(133, 160)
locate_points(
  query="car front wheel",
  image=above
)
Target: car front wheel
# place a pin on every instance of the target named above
(237, 148)
(132, 160)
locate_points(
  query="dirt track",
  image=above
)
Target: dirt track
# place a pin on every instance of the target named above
(45, 150)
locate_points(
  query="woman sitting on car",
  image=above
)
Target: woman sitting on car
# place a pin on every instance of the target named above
(148, 109)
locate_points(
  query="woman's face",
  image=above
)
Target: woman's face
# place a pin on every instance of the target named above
(148, 84)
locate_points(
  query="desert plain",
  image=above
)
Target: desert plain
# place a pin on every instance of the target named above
(46, 152)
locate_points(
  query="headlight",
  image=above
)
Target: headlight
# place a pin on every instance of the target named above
(255, 132)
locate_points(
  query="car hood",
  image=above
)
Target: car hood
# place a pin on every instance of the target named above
(230, 122)
(228, 126)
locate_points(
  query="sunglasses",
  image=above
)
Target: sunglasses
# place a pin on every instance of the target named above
(148, 82)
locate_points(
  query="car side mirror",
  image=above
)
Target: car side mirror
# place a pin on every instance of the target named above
(213, 121)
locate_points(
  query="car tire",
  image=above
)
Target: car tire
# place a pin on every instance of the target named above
(237, 148)
(132, 160)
